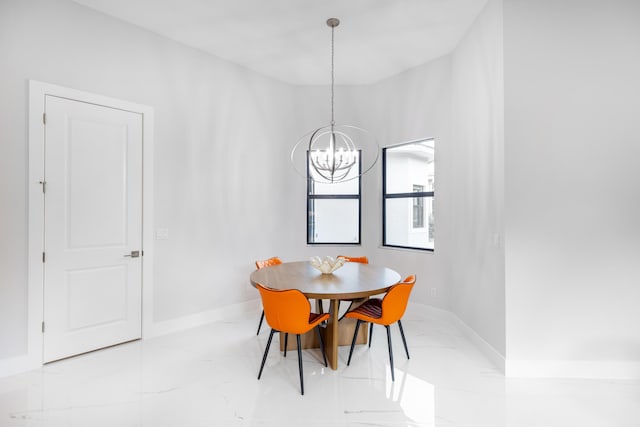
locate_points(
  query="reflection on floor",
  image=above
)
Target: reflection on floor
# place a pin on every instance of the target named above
(207, 377)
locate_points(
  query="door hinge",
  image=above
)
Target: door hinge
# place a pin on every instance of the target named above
(44, 118)
(43, 327)
(44, 186)
(43, 257)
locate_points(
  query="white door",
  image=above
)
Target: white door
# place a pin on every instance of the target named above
(93, 227)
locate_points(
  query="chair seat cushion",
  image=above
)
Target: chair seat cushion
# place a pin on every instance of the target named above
(314, 316)
(371, 308)
(315, 319)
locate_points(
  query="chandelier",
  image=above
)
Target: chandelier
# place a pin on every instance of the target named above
(332, 154)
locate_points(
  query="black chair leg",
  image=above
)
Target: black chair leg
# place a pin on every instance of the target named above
(346, 311)
(353, 341)
(404, 340)
(286, 343)
(370, 333)
(260, 324)
(390, 351)
(324, 356)
(266, 351)
(300, 365)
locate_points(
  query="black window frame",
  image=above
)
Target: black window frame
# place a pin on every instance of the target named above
(311, 198)
(386, 196)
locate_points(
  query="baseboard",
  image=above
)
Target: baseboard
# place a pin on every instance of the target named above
(494, 356)
(585, 369)
(17, 365)
(202, 318)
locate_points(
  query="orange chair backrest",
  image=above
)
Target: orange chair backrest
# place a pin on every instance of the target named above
(268, 262)
(409, 279)
(360, 259)
(395, 301)
(285, 310)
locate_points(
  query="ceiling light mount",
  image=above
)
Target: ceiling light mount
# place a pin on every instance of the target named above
(333, 22)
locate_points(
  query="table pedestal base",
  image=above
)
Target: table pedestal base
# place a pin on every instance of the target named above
(345, 335)
(335, 334)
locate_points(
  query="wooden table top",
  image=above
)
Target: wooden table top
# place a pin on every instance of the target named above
(353, 280)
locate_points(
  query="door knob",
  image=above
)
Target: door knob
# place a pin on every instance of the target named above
(133, 254)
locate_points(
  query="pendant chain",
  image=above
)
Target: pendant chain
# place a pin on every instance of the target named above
(332, 76)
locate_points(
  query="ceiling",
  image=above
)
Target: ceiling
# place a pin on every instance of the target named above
(289, 40)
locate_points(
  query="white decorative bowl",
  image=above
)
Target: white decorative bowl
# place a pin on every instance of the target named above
(326, 265)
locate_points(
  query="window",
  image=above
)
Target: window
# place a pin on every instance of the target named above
(333, 210)
(408, 193)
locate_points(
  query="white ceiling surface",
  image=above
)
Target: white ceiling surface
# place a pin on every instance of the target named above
(290, 41)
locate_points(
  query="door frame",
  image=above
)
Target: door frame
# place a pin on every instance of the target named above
(36, 234)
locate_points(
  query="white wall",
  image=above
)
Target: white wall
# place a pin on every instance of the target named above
(457, 100)
(572, 132)
(414, 105)
(476, 265)
(222, 139)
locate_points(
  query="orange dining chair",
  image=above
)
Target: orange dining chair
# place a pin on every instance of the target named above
(262, 264)
(385, 311)
(289, 311)
(361, 260)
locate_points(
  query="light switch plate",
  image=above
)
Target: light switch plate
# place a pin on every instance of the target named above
(162, 234)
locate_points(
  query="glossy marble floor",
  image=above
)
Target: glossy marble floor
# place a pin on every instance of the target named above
(207, 377)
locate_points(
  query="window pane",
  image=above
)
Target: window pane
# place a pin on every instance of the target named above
(410, 165)
(334, 221)
(345, 187)
(418, 207)
(401, 221)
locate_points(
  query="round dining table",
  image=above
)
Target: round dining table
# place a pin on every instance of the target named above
(353, 281)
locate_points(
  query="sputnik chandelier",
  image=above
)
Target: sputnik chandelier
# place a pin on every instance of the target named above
(333, 154)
